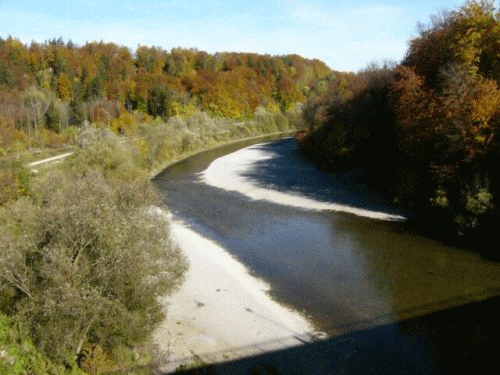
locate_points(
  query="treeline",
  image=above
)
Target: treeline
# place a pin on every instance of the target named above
(85, 253)
(426, 130)
(46, 90)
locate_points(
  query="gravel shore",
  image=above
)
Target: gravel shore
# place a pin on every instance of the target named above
(220, 312)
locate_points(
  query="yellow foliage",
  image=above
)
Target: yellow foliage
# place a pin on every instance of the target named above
(143, 147)
(487, 103)
(20, 141)
(125, 124)
(273, 107)
(64, 87)
(473, 30)
(221, 103)
(188, 109)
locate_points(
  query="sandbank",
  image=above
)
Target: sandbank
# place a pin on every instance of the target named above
(221, 311)
(228, 173)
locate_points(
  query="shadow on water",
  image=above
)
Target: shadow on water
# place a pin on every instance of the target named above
(288, 171)
(459, 340)
(362, 281)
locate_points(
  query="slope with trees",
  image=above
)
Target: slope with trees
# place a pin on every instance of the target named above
(83, 259)
(427, 129)
(83, 255)
(47, 90)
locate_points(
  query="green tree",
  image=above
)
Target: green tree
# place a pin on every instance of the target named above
(7, 77)
(160, 102)
(52, 118)
(85, 262)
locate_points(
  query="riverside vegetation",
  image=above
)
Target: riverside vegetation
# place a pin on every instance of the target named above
(83, 258)
(426, 130)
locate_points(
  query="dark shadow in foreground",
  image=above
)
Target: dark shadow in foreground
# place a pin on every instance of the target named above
(456, 341)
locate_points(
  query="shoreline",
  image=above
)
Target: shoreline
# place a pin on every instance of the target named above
(156, 171)
(221, 312)
(227, 173)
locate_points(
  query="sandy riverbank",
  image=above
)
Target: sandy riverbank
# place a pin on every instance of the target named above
(228, 173)
(219, 308)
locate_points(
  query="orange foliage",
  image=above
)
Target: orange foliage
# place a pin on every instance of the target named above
(94, 79)
(64, 87)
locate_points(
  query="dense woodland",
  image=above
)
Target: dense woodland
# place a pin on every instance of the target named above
(426, 130)
(57, 86)
(85, 254)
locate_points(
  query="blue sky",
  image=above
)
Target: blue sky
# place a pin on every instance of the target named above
(347, 35)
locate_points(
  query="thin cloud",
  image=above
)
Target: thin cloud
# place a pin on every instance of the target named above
(345, 34)
(344, 20)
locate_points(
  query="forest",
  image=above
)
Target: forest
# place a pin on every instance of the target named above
(85, 253)
(425, 130)
(47, 90)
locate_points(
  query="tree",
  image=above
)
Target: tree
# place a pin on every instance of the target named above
(7, 77)
(448, 109)
(64, 87)
(52, 118)
(83, 262)
(160, 102)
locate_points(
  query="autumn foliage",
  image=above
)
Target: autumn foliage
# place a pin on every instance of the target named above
(83, 254)
(58, 85)
(428, 126)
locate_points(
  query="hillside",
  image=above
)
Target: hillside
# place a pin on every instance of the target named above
(47, 91)
(425, 131)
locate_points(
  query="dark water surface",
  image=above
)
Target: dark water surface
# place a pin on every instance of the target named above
(344, 272)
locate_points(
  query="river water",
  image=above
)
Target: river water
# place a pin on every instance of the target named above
(348, 263)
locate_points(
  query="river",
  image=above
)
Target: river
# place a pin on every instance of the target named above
(328, 246)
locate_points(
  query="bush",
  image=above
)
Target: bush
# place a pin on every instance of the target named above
(19, 356)
(102, 150)
(84, 263)
(14, 181)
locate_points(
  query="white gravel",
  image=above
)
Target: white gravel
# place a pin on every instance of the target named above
(227, 173)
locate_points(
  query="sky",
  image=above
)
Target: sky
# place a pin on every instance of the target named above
(347, 35)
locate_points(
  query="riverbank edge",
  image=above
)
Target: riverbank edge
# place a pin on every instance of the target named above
(156, 171)
(427, 220)
(172, 350)
(221, 311)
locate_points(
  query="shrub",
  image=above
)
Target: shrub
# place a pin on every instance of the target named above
(85, 262)
(104, 151)
(19, 356)
(14, 181)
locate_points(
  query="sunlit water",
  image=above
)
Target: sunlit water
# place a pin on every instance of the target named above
(327, 245)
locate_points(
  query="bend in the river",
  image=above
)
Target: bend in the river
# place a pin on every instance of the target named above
(327, 245)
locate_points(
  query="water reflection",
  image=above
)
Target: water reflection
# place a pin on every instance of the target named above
(420, 274)
(287, 170)
(344, 271)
